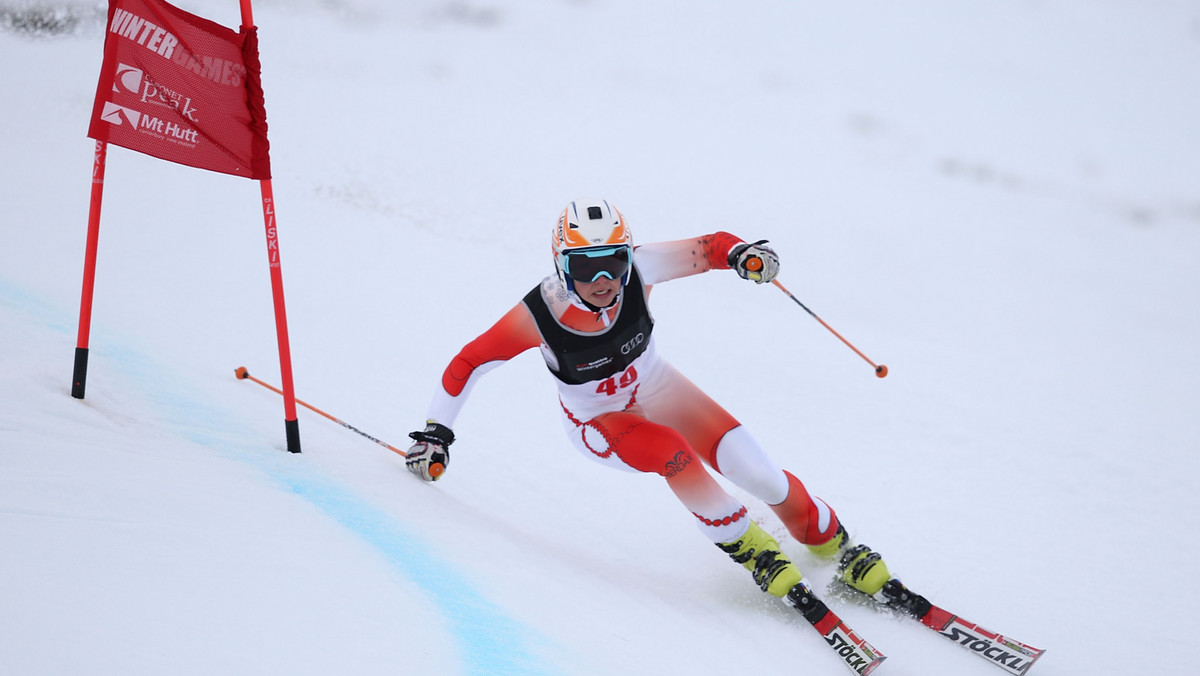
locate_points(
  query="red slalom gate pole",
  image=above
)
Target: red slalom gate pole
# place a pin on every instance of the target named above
(243, 374)
(880, 370)
(247, 14)
(79, 377)
(290, 421)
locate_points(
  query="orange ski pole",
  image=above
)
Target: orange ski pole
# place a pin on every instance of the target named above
(880, 370)
(243, 374)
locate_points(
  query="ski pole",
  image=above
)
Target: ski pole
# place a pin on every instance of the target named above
(880, 369)
(243, 374)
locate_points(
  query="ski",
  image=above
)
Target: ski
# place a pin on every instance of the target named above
(1009, 654)
(853, 650)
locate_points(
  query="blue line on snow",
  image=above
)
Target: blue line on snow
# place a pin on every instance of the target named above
(491, 642)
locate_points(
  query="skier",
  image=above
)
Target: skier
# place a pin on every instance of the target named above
(626, 407)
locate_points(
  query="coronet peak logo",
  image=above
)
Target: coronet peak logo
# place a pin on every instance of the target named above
(129, 79)
(133, 80)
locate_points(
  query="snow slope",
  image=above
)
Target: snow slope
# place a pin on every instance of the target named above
(997, 200)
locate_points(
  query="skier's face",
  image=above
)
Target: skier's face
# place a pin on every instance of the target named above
(600, 293)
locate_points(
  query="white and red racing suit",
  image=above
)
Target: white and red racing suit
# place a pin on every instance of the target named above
(626, 407)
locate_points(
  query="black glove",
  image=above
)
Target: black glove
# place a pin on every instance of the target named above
(755, 262)
(429, 456)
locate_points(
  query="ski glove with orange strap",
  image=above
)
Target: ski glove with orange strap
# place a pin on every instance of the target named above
(755, 262)
(429, 456)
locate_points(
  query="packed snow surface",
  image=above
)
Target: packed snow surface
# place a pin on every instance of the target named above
(997, 200)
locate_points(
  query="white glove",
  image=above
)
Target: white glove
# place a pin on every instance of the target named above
(429, 456)
(754, 261)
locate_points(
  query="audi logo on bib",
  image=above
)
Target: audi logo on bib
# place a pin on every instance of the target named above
(634, 342)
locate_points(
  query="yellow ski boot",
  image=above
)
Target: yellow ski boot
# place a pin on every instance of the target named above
(864, 570)
(760, 554)
(828, 550)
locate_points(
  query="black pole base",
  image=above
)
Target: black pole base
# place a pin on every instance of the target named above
(79, 379)
(293, 435)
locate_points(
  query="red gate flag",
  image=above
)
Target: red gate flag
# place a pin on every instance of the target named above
(182, 88)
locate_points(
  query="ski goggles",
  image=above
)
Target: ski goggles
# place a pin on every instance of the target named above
(588, 265)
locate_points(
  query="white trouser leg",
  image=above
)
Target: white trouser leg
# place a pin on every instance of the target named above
(741, 460)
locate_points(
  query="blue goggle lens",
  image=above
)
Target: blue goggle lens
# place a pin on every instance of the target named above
(588, 265)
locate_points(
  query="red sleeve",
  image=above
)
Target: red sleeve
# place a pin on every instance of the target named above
(512, 335)
(717, 247)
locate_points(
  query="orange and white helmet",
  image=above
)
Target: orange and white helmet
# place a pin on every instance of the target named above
(591, 241)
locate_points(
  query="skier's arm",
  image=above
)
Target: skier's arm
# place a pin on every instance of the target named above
(513, 334)
(663, 261)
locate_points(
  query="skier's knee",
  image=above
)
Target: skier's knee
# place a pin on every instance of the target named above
(646, 446)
